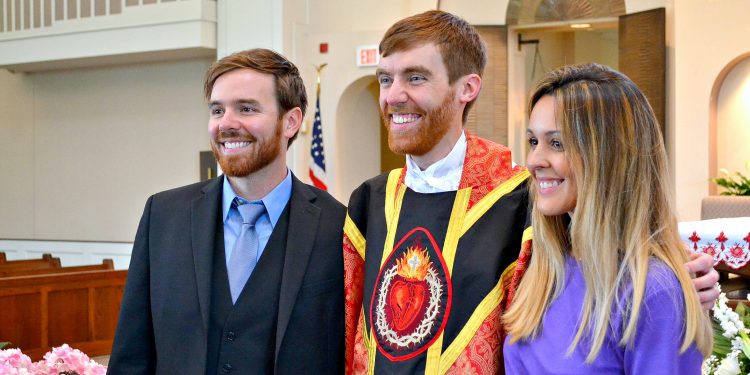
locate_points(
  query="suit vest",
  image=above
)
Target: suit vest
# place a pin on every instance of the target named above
(242, 337)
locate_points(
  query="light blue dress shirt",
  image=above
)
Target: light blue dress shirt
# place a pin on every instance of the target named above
(275, 202)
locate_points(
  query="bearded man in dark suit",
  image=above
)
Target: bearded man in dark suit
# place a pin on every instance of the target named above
(210, 291)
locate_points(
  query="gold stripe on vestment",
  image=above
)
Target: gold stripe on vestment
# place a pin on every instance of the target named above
(390, 189)
(489, 200)
(355, 236)
(483, 310)
(458, 214)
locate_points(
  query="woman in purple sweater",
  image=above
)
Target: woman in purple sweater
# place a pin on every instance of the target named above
(606, 291)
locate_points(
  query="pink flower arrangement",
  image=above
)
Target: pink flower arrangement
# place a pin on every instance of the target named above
(60, 360)
(13, 362)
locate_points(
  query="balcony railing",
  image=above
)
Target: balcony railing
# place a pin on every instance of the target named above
(33, 32)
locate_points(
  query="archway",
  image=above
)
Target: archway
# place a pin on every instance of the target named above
(729, 119)
(363, 148)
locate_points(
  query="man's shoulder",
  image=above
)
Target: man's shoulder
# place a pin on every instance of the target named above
(372, 186)
(475, 143)
(191, 190)
(322, 198)
(380, 180)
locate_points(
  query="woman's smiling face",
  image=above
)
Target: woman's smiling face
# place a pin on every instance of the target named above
(555, 184)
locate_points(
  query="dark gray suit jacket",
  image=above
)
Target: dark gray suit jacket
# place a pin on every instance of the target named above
(165, 307)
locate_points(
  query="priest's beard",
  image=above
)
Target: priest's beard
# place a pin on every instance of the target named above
(434, 124)
(259, 153)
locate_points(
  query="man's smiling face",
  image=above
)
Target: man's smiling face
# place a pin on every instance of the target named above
(244, 124)
(417, 103)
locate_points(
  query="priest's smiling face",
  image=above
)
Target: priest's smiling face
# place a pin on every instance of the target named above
(417, 103)
(244, 125)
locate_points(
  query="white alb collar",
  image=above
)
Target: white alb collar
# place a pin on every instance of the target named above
(443, 175)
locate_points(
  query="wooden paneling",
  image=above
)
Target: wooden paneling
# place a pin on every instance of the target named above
(20, 314)
(643, 56)
(78, 308)
(489, 116)
(68, 311)
(106, 311)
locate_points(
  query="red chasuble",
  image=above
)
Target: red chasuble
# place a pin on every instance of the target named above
(429, 275)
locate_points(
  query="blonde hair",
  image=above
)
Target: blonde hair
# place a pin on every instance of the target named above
(623, 216)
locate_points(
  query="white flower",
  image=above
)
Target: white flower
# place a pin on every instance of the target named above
(709, 365)
(737, 343)
(728, 319)
(729, 366)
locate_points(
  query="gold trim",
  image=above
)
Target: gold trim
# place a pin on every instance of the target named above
(355, 236)
(432, 364)
(365, 338)
(483, 310)
(366, 341)
(393, 200)
(528, 235)
(484, 204)
(392, 219)
(453, 233)
(390, 189)
(371, 355)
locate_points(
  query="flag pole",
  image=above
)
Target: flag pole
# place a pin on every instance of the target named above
(318, 70)
(317, 170)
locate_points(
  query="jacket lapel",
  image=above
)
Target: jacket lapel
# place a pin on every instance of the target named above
(303, 222)
(204, 213)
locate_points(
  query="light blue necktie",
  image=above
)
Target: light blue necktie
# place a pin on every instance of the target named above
(245, 251)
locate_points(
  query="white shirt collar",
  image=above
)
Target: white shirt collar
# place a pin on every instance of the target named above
(443, 175)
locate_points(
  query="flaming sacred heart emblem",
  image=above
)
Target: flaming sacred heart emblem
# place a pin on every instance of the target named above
(409, 306)
(409, 289)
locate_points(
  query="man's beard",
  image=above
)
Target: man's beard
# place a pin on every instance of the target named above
(423, 138)
(261, 153)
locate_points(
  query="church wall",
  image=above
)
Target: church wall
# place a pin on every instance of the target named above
(16, 155)
(83, 149)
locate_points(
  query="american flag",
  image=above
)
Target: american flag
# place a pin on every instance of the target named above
(318, 161)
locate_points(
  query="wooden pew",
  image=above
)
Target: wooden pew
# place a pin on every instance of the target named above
(4, 258)
(107, 264)
(47, 261)
(79, 308)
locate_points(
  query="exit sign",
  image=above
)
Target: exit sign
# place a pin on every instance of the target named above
(368, 56)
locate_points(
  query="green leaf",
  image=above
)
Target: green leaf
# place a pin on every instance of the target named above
(4, 344)
(745, 344)
(741, 310)
(734, 183)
